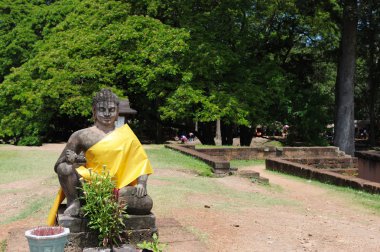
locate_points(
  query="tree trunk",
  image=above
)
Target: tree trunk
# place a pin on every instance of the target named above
(245, 136)
(158, 136)
(372, 81)
(344, 89)
(206, 133)
(218, 135)
(159, 133)
(227, 137)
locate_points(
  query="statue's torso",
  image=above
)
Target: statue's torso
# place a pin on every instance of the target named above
(88, 137)
(80, 141)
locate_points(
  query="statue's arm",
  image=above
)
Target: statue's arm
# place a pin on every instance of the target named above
(70, 152)
(141, 186)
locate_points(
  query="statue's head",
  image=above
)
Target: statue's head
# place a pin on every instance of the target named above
(105, 107)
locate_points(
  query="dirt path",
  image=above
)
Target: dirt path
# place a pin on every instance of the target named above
(288, 215)
(320, 221)
(317, 220)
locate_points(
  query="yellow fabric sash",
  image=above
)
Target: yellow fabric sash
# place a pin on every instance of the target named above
(122, 155)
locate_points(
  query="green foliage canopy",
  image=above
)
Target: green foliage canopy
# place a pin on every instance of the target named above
(93, 44)
(254, 62)
(245, 62)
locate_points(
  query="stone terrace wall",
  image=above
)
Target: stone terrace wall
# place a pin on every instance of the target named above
(318, 157)
(218, 165)
(268, 152)
(242, 153)
(298, 152)
(327, 162)
(369, 165)
(323, 175)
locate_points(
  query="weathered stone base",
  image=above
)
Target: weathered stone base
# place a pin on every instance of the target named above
(137, 222)
(137, 236)
(124, 248)
(75, 224)
(138, 228)
(81, 240)
(253, 176)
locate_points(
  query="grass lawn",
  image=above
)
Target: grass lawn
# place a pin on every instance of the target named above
(25, 164)
(244, 163)
(19, 167)
(164, 158)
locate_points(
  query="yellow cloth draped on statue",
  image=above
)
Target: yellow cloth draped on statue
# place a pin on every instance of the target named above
(122, 155)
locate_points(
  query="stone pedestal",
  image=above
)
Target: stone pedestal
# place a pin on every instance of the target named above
(80, 235)
(75, 224)
(138, 228)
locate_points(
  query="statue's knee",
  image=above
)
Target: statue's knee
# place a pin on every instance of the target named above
(64, 169)
(135, 205)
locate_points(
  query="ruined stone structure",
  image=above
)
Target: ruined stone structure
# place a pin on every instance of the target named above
(326, 164)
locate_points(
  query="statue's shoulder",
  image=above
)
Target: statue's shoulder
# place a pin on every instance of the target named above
(83, 139)
(80, 134)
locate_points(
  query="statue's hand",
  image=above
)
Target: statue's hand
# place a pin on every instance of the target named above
(140, 191)
(70, 156)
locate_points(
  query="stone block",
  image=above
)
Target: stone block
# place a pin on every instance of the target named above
(369, 166)
(263, 180)
(137, 236)
(97, 250)
(249, 174)
(124, 248)
(78, 241)
(136, 222)
(222, 165)
(75, 224)
(140, 228)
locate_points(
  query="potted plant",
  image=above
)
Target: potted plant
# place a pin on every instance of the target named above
(44, 239)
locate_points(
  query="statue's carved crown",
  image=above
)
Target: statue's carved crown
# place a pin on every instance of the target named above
(105, 95)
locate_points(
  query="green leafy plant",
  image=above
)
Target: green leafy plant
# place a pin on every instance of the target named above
(154, 245)
(106, 216)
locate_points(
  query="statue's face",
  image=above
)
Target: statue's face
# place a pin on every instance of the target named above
(106, 113)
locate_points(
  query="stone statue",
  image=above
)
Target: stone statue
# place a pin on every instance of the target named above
(105, 108)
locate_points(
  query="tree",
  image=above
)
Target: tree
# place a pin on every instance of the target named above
(368, 67)
(344, 98)
(244, 61)
(98, 44)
